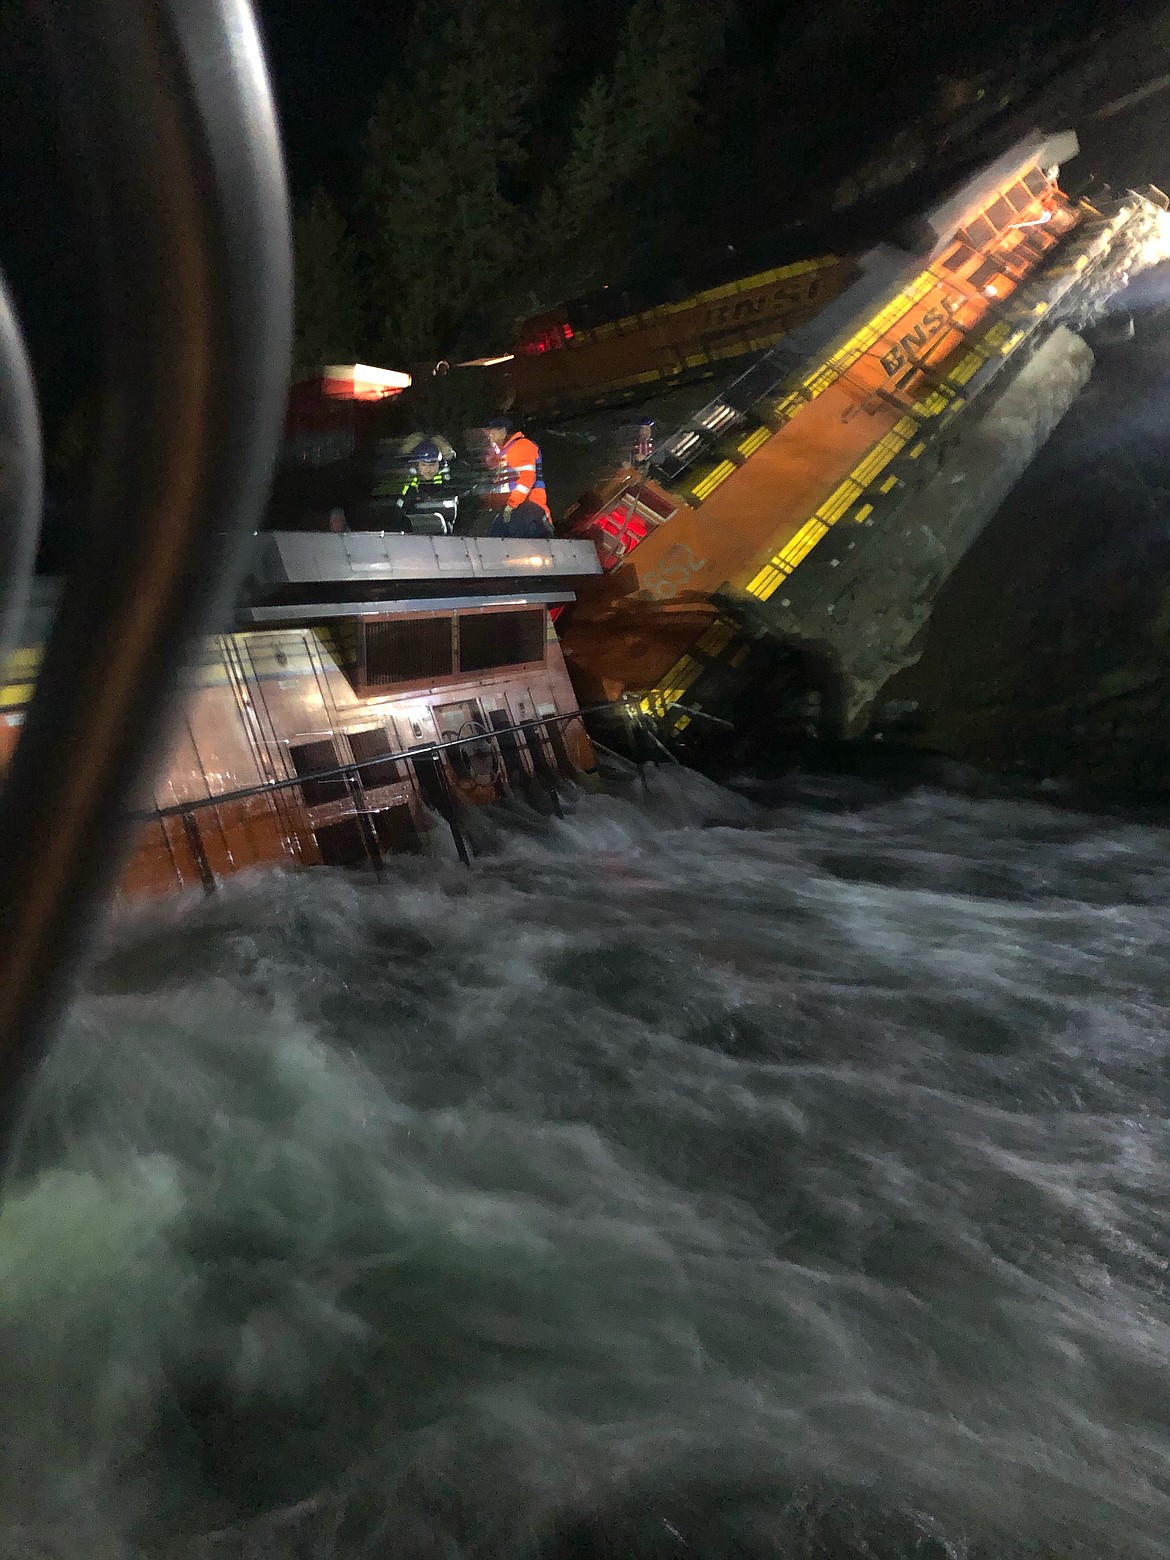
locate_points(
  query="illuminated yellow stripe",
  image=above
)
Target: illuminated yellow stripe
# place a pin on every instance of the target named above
(838, 502)
(864, 512)
(717, 637)
(765, 578)
(756, 344)
(765, 583)
(18, 670)
(22, 661)
(878, 459)
(828, 372)
(932, 406)
(803, 542)
(819, 381)
(753, 441)
(707, 486)
(631, 322)
(750, 283)
(675, 684)
(966, 368)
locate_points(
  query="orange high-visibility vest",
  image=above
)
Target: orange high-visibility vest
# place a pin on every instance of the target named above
(522, 476)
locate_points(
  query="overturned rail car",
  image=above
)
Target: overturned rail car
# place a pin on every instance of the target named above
(817, 499)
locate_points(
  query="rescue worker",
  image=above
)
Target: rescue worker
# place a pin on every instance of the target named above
(426, 470)
(519, 492)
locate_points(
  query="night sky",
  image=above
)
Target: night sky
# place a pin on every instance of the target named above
(328, 58)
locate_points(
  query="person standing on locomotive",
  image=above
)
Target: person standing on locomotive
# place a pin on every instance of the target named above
(519, 492)
(424, 477)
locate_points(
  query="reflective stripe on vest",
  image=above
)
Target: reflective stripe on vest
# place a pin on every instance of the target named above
(524, 472)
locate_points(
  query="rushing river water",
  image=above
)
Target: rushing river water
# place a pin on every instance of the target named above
(694, 1177)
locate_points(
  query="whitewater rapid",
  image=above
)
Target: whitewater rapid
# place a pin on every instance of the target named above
(694, 1176)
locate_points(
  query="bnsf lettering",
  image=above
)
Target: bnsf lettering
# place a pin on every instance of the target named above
(784, 295)
(929, 325)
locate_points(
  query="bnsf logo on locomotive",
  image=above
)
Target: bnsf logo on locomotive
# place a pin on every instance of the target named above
(909, 344)
(772, 300)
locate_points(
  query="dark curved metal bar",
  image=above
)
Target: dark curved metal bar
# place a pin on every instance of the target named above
(188, 219)
(21, 472)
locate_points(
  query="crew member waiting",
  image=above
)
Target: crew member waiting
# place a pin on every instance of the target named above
(519, 492)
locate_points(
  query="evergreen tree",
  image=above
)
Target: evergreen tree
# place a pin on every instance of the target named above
(328, 322)
(446, 136)
(634, 114)
(584, 222)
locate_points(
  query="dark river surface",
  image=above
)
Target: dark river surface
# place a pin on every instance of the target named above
(694, 1176)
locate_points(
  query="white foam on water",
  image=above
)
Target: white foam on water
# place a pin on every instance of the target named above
(688, 1177)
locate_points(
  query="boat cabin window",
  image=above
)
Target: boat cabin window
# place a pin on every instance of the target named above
(342, 844)
(370, 745)
(395, 828)
(309, 758)
(473, 761)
